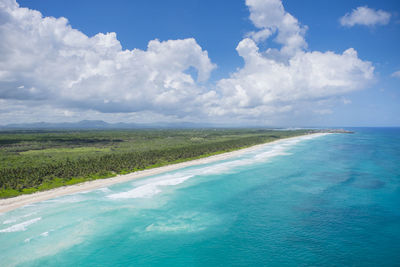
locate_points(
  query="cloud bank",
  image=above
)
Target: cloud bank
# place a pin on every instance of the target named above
(46, 63)
(44, 59)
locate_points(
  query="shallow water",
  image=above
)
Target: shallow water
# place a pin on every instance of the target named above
(332, 200)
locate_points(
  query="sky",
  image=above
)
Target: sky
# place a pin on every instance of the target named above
(255, 62)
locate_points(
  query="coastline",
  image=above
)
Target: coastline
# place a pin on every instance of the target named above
(9, 204)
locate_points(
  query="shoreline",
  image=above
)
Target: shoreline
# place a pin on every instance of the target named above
(9, 204)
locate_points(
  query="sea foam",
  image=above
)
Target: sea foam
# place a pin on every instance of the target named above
(151, 188)
(186, 222)
(13, 220)
(20, 226)
(147, 188)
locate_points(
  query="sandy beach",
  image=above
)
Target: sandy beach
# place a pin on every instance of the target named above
(19, 201)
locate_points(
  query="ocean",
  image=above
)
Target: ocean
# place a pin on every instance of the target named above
(331, 200)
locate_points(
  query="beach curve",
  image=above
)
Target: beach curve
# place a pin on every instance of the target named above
(23, 200)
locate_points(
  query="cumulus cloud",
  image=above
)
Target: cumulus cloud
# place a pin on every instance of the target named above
(270, 17)
(47, 65)
(271, 83)
(364, 15)
(44, 58)
(396, 74)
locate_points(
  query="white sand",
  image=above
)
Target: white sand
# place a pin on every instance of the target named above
(19, 201)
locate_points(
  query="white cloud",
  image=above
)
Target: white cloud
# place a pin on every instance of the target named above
(364, 15)
(346, 101)
(323, 111)
(307, 76)
(283, 82)
(259, 36)
(57, 63)
(47, 65)
(270, 17)
(396, 74)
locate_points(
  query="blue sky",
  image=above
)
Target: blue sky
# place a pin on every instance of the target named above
(211, 39)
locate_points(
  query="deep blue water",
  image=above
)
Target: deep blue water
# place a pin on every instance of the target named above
(332, 200)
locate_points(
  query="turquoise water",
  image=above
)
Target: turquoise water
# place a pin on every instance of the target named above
(332, 200)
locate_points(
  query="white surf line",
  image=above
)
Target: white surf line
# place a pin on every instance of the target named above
(20, 226)
(23, 200)
(147, 188)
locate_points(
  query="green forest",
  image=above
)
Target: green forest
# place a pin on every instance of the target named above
(33, 161)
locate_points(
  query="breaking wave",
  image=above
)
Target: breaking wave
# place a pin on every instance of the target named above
(147, 188)
(20, 226)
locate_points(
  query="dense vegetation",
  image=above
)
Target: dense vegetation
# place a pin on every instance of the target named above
(38, 160)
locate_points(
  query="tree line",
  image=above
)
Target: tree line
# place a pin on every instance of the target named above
(21, 177)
